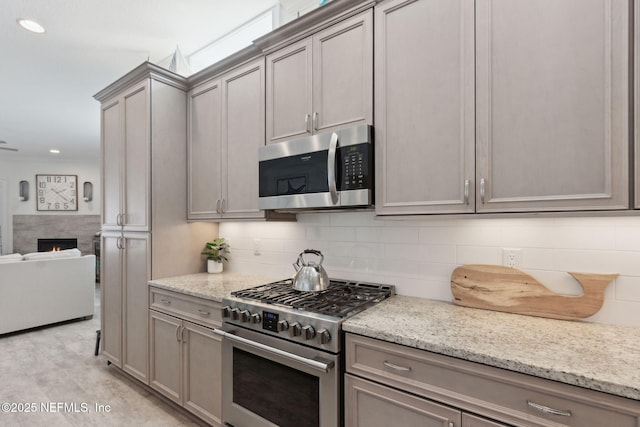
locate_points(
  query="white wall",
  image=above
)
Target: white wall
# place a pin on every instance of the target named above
(418, 256)
(16, 169)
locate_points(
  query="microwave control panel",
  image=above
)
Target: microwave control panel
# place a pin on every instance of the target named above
(354, 167)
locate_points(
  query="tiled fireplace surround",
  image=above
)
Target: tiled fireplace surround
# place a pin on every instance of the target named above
(27, 229)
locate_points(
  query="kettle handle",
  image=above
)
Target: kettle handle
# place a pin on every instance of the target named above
(314, 252)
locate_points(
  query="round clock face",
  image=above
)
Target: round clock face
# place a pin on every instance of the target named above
(57, 192)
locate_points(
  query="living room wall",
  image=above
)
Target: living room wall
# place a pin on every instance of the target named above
(14, 169)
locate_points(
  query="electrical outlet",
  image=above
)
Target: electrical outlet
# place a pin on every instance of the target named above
(512, 257)
(257, 247)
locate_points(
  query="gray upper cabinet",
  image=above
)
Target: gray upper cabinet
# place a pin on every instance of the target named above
(321, 83)
(424, 90)
(501, 106)
(225, 130)
(125, 158)
(204, 148)
(552, 105)
(636, 118)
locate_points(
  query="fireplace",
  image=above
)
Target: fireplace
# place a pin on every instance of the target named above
(46, 245)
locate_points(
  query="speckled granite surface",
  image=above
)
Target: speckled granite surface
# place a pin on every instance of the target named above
(595, 356)
(210, 286)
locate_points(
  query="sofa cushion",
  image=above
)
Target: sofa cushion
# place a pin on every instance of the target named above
(66, 253)
(10, 258)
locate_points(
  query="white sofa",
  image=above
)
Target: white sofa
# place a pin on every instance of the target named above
(39, 289)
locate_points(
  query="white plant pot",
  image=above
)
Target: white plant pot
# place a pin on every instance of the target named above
(214, 266)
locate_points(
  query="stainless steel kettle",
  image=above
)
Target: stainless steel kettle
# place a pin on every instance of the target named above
(310, 277)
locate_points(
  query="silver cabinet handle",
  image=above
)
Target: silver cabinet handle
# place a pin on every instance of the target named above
(331, 167)
(482, 185)
(119, 220)
(548, 410)
(182, 338)
(165, 301)
(306, 123)
(312, 363)
(120, 243)
(204, 312)
(178, 334)
(396, 367)
(466, 191)
(223, 205)
(315, 121)
(218, 206)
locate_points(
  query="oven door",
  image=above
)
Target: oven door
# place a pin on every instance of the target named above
(268, 381)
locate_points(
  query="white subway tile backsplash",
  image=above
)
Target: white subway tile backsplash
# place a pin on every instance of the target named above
(628, 289)
(418, 255)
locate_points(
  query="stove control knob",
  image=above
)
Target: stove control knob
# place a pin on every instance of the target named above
(295, 329)
(226, 311)
(283, 325)
(323, 336)
(245, 315)
(308, 332)
(256, 318)
(235, 313)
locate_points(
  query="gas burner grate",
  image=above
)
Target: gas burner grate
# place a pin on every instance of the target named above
(340, 299)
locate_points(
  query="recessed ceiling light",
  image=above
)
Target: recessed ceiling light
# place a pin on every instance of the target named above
(30, 25)
(54, 151)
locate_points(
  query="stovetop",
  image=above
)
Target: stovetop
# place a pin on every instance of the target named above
(310, 318)
(341, 299)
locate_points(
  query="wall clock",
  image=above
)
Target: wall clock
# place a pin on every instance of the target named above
(57, 192)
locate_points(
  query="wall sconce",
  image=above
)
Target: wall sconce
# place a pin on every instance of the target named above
(24, 191)
(87, 191)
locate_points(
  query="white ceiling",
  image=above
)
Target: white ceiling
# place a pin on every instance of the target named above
(48, 80)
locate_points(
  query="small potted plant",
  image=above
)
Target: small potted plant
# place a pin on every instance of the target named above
(215, 252)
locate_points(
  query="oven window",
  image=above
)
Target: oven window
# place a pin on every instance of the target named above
(265, 388)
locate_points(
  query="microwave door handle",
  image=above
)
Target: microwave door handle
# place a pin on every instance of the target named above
(331, 167)
(315, 364)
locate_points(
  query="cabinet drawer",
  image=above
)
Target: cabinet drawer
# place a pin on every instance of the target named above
(198, 310)
(511, 397)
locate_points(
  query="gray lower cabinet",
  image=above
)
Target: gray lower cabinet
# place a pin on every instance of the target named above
(499, 106)
(184, 354)
(390, 384)
(124, 275)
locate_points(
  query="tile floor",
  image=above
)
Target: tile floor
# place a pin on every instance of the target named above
(54, 371)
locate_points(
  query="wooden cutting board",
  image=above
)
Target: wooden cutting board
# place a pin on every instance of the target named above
(495, 287)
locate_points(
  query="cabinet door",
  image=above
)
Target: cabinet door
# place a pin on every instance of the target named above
(424, 90)
(165, 355)
(368, 404)
(552, 104)
(137, 157)
(111, 148)
(203, 148)
(288, 92)
(469, 420)
(202, 371)
(243, 134)
(111, 297)
(343, 74)
(136, 268)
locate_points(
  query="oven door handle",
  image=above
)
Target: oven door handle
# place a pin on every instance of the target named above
(315, 364)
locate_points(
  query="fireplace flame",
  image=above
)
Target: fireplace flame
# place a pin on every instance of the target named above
(55, 249)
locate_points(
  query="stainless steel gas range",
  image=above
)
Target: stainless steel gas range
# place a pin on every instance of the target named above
(279, 342)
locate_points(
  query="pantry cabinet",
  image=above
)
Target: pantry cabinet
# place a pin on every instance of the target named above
(391, 384)
(500, 106)
(321, 83)
(145, 234)
(185, 355)
(226, 129)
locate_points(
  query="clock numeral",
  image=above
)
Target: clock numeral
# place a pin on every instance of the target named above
(42, 184)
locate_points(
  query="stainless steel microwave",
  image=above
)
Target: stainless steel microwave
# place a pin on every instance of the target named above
(327, 170)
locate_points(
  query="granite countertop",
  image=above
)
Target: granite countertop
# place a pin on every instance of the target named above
(210, 286)
(590, 355)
